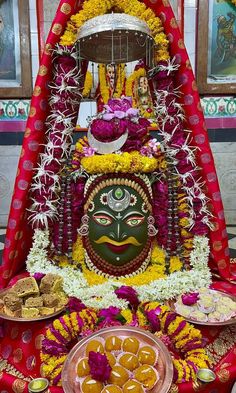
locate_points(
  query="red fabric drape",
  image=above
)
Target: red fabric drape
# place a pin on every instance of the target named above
(19, 233)
(24, 355)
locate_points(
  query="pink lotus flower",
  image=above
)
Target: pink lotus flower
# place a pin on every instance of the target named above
(129, 294)
(100, 369)
(190, 298)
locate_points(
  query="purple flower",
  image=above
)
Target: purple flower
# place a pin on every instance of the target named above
(100, 369)
(109, 313)
(190, 298)
(89, 151)
(119, 104)
(75, 304)
(153, 318)
(129, 294)
(38, 276)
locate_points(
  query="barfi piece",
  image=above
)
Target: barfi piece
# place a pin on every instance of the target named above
(10, 313)
(50, 299)
(12, 301)
(46, 310)
(51, 283)
(29, 312)
(34, 302)
(26, 286)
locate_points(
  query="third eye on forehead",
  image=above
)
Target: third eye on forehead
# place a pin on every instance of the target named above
(119, 216)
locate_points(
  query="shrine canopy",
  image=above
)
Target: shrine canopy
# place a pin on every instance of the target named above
(19, 231)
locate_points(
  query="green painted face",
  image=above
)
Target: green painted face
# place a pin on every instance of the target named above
(118, 227)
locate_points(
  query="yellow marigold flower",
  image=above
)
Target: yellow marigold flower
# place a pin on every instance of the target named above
(184, 222)
(58, 326)
(175, 264)
(158, 255)
(142, 321)
(127, 314)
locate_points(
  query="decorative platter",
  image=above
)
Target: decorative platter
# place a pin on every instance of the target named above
(71, 383)
(174, 305)
(5, 316)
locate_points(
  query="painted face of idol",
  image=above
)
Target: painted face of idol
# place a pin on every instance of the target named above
(118, 224)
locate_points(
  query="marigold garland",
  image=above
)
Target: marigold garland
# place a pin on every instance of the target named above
(133, 162)
(154, 271)
(93, 8)
(188, 352)
(88, 83)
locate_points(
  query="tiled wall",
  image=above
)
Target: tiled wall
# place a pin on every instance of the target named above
(34, 39)
(223, 140)
(190, 17)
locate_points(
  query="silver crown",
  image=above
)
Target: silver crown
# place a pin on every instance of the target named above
(114, 38)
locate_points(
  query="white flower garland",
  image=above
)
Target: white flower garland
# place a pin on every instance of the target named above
(162, 115)
(102, 296)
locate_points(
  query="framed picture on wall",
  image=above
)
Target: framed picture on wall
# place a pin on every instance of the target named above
(216, 47)
(15, 56)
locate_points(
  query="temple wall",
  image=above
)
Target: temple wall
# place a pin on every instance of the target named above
(220, 113)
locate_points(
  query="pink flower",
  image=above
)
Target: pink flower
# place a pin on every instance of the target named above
(110, 313)
(38, 276)
(190, 298)
(119, 104)
(129, 294)
(89, 151)
(153, 318)
(75, 304)
(100, 369)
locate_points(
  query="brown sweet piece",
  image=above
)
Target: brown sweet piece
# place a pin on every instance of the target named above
(1, 305)
(10, 313)
(29, 312)
(12, 301)
(46, 310)
(50, 300)
(34, 302)
(63, 299)
(51, 283)
(26, 286)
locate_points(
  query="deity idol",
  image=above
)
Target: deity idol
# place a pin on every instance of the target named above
(118, 224)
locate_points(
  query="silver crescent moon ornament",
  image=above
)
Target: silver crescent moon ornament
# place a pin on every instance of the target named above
(106, 147)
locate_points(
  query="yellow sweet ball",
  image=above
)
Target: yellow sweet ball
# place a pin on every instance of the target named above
(83, 368)
(111, 389)
(118, 376)
(90, 385)
(129, 361)
(147, 355)
(110, 358)
(130, 344)
(132, 387)
(95, 346)
(146, 375)
(113, 343)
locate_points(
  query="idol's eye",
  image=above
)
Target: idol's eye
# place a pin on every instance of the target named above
(134, 221)
(102, 220)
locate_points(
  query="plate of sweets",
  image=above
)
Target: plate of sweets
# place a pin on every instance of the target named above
(29, 300)
(118, 360)
(206, 307)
